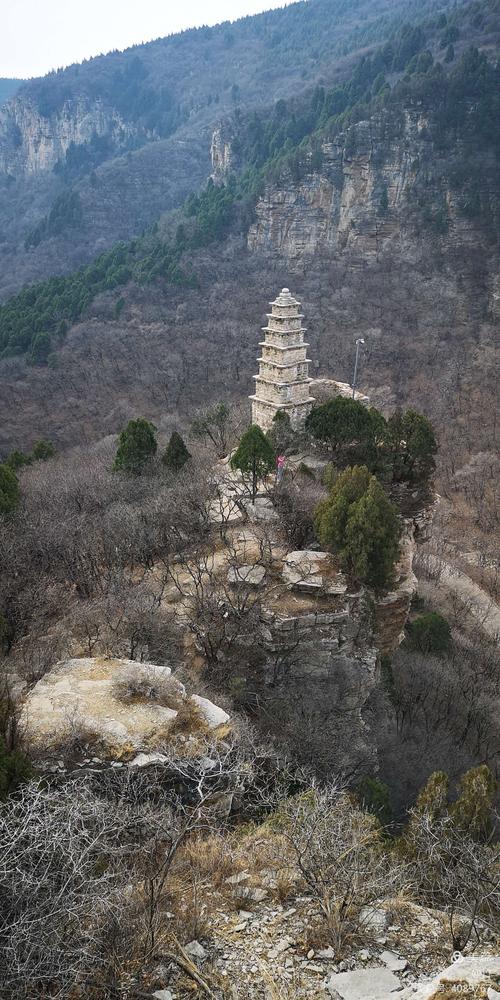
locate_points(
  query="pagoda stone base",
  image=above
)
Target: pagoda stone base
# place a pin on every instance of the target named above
(263, 413)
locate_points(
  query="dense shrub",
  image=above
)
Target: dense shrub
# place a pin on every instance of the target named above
(176, 454)
(136, 447)
(429, 633)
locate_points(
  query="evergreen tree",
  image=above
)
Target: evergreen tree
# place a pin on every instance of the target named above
(40, 348)
(9, 490)
(429, 633)
(371, 546)
(254, 456)
(137, 446)
(360, 524)
(473, 810)
(42, 450)
(176, 454)
(15, 769)
(350, 429)
(412, 443)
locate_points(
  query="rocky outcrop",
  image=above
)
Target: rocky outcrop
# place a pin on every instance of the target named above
(221, 152)
(123, 705)
(467, 977)
(357, 203)
(32, 143)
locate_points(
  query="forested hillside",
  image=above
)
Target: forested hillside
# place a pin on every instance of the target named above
(129, 133)
(375, 195)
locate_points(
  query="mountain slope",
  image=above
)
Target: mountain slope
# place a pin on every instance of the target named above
(134, 128)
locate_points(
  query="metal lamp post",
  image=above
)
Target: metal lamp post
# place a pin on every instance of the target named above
(359, 343)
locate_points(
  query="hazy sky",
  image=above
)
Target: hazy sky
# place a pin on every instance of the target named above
(39, 35)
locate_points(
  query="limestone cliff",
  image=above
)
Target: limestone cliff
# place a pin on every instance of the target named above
(32, 143)
(363, 199)
(222, 152)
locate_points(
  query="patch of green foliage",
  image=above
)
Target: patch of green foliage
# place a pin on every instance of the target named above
(137, 447)
(176, 454)
(462, 103)
(400, 449)
(374, 796)
(35, 321)
(41, 451)
(472, 811)
(429, 633)
(9, 490)
(281, 435)
(66, 213)
(351, 430)
(359, 523)
(254, 456)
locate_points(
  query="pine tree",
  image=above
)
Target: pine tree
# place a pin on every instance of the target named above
(176, 454)
(281, 434)
(371, 545)
(350, 429)
(473, 810)
(254, 456)
(136, 447)
(413, 445)
(360, 524)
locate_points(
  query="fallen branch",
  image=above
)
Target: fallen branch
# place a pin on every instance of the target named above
(187, 966)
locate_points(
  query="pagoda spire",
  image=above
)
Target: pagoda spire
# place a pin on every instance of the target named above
(283, 379)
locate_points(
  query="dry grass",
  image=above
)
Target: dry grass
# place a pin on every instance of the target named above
(188, 720)
(141, 683)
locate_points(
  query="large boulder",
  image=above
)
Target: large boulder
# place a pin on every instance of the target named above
(121, 703)
(468, 978)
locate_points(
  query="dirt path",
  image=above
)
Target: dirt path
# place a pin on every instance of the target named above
(477, 601)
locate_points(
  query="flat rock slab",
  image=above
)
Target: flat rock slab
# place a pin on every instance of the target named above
(363, 984)
(310, 571)
(81, 695)
(246, 576)
(393, 961)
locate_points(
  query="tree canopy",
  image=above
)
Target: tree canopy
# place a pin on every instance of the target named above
(429, 633)
(254, 456)
(349, 428)
(360, 524)
(176, 454)
(412, 444)
(137, 447)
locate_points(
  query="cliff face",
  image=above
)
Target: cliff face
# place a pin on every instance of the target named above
(221, 152)
(31, 143)
(362, 200)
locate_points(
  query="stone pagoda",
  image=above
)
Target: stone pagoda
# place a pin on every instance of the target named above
(283, 379)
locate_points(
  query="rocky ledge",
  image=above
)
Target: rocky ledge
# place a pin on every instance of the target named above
(123, 705)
